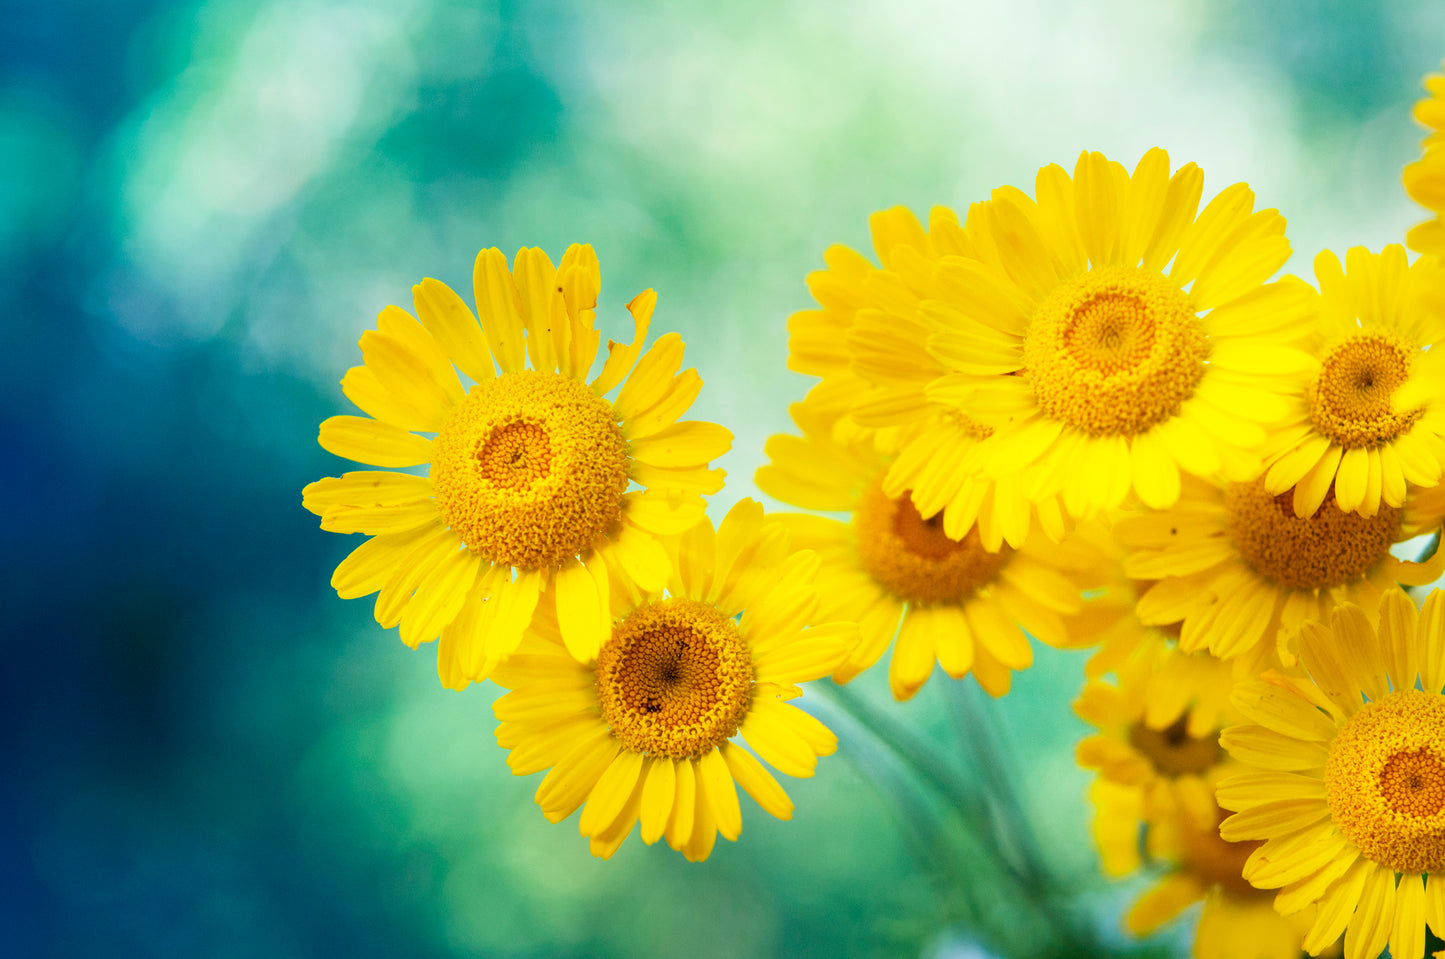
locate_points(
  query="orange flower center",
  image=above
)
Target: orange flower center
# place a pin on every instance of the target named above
(1330, 548)
(529, 469)
(1351, 401)
(1385, 781)
(913, 558)
(1114, 351)
(675, 679)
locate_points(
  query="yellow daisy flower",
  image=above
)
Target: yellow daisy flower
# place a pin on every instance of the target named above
(869, 341)
(527, 496)
(1425, 178)
(1370, 414)
(1099, 372)
(1157, 735)
(1158, 759)
(1347, 781)
(949, 600)
(1242, 572)
(645, 731)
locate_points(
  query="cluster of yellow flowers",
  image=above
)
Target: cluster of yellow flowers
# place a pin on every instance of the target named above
(1088, 416)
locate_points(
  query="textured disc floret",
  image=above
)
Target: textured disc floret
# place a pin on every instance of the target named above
(1114, 351)
(675, 679)
(530, 468)
(1385, 781)
(1351, 401)
(1327, 549)
(913, 558)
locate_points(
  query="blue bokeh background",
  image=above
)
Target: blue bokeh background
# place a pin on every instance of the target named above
(203, 752)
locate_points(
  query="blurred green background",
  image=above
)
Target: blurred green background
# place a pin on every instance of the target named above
(203, 752)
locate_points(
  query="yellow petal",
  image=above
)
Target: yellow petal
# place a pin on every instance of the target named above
(812, 655)
(1271, 819)
(619, 357)
(1407, 933)
(498, 307)
(371, 441)
(365, 488)
(757, 781)
(684, 805)
(428, 381)
(641, 557)
(688, 443)
(651, 378)
(363, 388)
(372, 564)
(1431, 633)
(583, 607)
(1369, 931)
(1173, 894)
(772, 737)
(1435, 903)
(913, 657)
(661, 514)
(430, 550)
(722, 794)
(611, 793)
(658, 793)
(1258, 746)
(1279, 709)
(439, 597)
(1337, 907)
(1253, 788)
(1351, 479)
(704, 820)
(447, 317)
(549, 331)
(571, 780)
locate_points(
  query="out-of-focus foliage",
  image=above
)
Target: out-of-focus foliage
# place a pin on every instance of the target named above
(202, 205)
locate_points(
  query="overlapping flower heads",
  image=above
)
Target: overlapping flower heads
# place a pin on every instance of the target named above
(1089, 417)
(1158, 759)
(1065, 328)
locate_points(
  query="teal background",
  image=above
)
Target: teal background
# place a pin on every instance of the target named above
(203, 752)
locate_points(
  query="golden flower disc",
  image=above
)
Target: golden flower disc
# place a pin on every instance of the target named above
(1350, 402)
(529, 469)
(1329, 548)
(1172, 751)
(913, 558)
(1385, 781)
(675, 679)
(1114, 351)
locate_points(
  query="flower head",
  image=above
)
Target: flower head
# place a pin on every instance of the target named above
(1158, 758)
(647, 729)
(961, 599)
(1346, 790)
(869, 342)
(1241, 572)
(1368, 413)
(528, 496)
(1425, 178)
